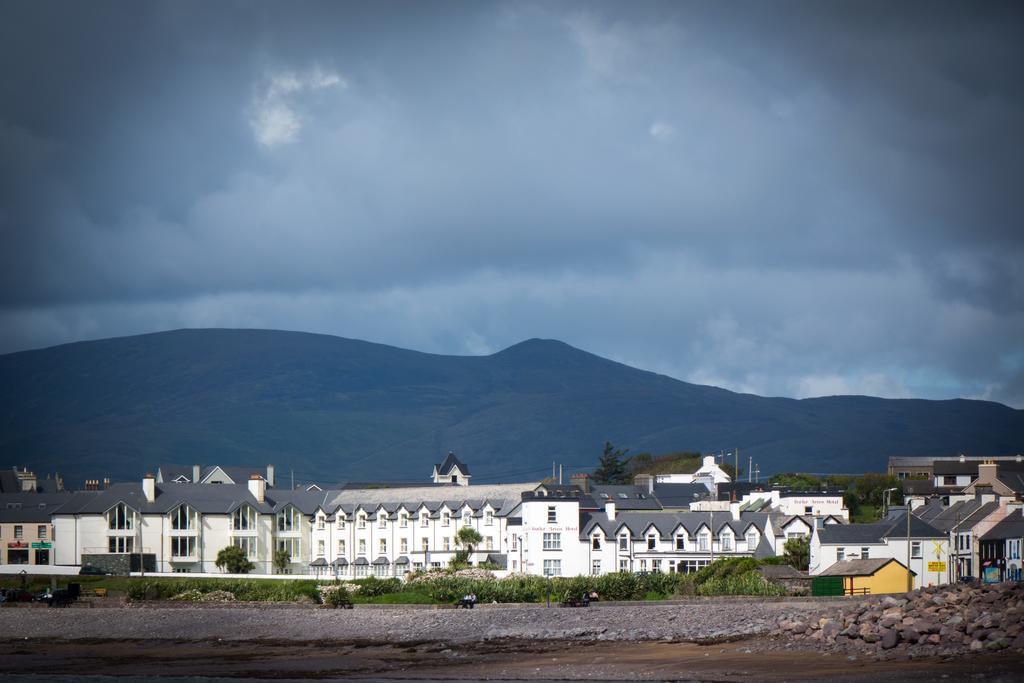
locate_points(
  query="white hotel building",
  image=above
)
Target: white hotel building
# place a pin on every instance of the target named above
(179, 526)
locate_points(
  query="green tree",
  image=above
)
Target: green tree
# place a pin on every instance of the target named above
(282, 558)
(232, 559)
(467, 538)
(612, 468)
(798, 552)
(797, 481)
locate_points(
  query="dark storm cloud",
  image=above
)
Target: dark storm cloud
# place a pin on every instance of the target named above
(786, 198)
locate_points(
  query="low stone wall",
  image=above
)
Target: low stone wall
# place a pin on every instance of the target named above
(121, 563)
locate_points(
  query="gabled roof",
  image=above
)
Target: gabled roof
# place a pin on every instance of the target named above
(860, 567)
(449, 463)
(666, 523)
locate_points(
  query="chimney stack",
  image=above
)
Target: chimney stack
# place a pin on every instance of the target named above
(609, 510)
(270, 476)
(644, 480)
(734, 508)
(148, 487)
(257, 487)
(195, 474)
(582, 480)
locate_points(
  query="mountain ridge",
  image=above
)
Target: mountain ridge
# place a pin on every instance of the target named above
(353, 409)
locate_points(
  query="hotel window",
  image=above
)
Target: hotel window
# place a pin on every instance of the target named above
(726, 543)
(751, 539)
(808, 509)
(321, 548)
(247, 544)
(446, 543)
(595, 567)
(362, 546)
(680, 542)
(183, 518)
(949, 480)
(121, 544)
(119, 517)
(341, 522)
(488, 518)
(341, 547)
(865, 553)
(243, 519)
(704, 541)
(489, 543)
(18, 533)
(467, 518)
(424, 544)
(361, 520)
(403, 519)
(383, 546)
(292, 547)
(515, 542)
(552, 567)
(652, 542)
(41, 531)
(403, 545)
(424, 519)
(915, 549)
(446, 519)
(623, 565)
(183, 546)
(623, 542)
(656, 566)
(596, 543)
(552, 542)
(840, 554)
(382, 520)
(552, 514)
(320, 522)
(288, 519)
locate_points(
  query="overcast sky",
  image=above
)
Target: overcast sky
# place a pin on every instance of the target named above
(794, 199)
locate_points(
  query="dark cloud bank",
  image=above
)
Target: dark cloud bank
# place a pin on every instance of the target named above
(783, 198)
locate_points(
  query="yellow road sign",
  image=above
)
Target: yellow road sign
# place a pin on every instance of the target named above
(936, 566)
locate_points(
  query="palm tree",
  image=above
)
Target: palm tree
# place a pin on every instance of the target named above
(467, 539)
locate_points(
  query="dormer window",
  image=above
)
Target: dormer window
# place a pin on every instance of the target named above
(289, 519)
(652, 541)
(595, 543)
(341, 521)
(382, 520)
(467, 518)
(424, 519)
(361, 520)
(726, 542)
(623, 542)
(243, 519)
(488, 518)
(751, 539)
(183, 518)
(403, 519)
(446, 518)
(680, 541)
(320, 522)
(120, 517)
(704, 541)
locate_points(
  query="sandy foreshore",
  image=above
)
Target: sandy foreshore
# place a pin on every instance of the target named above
(701, 642)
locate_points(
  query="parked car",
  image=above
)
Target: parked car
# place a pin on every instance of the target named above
(966, 579)
(90, 570)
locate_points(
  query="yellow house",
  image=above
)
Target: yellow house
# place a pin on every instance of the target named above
(872, 576)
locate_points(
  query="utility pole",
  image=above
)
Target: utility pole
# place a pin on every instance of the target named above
(737, 465)
(910, 576)
(750, 469)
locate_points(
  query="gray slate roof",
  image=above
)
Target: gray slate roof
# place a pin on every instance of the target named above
(449, 463)
(839, 534)
(666, 523)
(1012, 526)
(204, 498)
(30, 507)
(960, 516)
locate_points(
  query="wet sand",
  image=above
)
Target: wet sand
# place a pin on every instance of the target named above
(510, 659)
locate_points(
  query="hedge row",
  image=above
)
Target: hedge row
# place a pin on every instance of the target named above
(243, 589)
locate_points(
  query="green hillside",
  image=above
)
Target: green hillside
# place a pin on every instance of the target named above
(345, 409)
